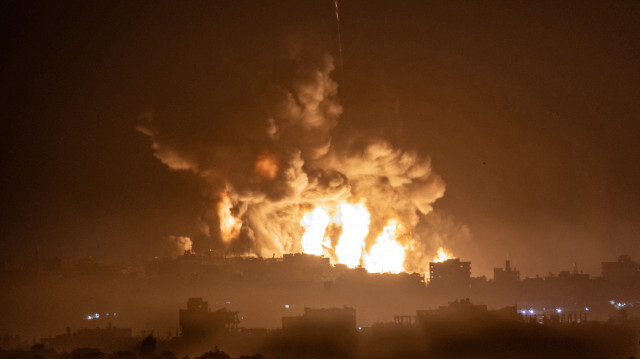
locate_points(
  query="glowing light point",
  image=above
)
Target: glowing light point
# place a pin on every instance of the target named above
(558, 310)
(286, 306)
(89, 317)
(97, 315)
(586, 309)
(531, 311)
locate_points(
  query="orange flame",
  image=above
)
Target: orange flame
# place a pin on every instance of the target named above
(315, 224)
(385, 255)
(442, 255)
(355, 220)
(266, 165)
(229, 225)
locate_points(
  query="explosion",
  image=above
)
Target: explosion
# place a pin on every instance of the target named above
(387, 254)
(358, 203)
(229, 225)
(315, 224)
(442, 256)
(355, 221)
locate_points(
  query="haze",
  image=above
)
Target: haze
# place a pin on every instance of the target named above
(527, 112)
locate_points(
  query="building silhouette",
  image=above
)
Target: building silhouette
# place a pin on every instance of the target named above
(342, 320)
(623, 271)
(198, 323)
(451, 272)
(108, 339)
(506, 275)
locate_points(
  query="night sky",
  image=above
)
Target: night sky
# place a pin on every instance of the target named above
(528, 111)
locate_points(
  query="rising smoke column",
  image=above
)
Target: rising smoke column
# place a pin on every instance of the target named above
(265, 173)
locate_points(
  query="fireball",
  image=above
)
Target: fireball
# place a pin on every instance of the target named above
(229, 225)
(315, 224)
(386, 255)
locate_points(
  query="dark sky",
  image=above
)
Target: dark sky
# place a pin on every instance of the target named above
(528, 110)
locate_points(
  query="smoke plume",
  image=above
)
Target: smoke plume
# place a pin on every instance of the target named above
(263, 150)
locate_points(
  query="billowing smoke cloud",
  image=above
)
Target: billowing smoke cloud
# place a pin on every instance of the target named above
(437, 230)
(265, 156)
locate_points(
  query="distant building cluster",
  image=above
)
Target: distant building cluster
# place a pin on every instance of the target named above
(333, 332)
(278, 306)
(198, 323)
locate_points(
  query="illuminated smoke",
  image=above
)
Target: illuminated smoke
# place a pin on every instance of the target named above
(176, 245)
(266, 166)
(277, 181)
